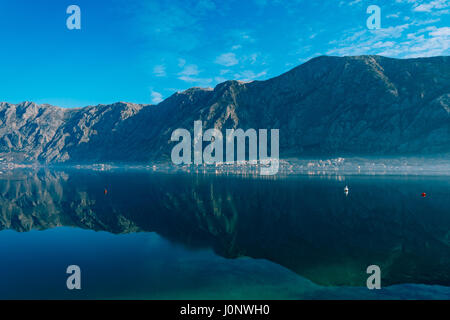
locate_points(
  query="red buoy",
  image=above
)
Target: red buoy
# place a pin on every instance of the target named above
(106, 191)
(424, 194)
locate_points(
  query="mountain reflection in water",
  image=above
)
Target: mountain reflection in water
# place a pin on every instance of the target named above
(305, 224)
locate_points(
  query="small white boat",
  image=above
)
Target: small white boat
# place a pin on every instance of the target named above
(346, 190)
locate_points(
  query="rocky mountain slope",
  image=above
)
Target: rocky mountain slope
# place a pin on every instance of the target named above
(363, 105)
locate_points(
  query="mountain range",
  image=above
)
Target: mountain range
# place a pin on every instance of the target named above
(308, 228)
(328, 106)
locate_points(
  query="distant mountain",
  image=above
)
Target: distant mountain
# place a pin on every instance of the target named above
(363, 105)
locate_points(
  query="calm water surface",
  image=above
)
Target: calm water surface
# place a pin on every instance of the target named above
(179, 236)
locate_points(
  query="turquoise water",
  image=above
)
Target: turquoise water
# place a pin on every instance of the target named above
(178, 236)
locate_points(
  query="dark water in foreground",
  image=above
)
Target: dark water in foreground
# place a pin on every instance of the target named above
(169, 236)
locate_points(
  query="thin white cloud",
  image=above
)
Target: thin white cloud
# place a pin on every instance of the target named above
(189, 70)
(227, 59)
(423, 22)
(249, 75)
(240, 36)
(365, 41)
(393, 15)
(354, 2)
(441, 32)
(156, 97)
(425, 42)
(190, 74)
(430, 6)
(159, 71)
(253, 58)
(201, 82)
(220, 79)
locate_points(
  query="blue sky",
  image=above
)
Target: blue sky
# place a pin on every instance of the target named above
(145, 50)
